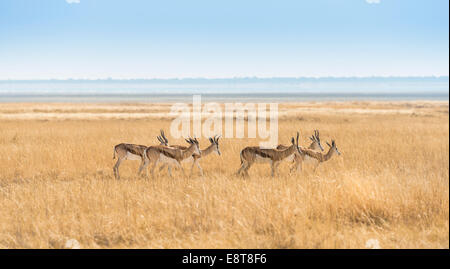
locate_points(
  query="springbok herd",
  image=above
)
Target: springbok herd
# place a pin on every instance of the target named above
(174, 155)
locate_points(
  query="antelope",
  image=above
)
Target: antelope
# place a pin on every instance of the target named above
(320, 157)
(213, 147)
(129, 152)
(299, 158)
(169, 155)
(250, 155)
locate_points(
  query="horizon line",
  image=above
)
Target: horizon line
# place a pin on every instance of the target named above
(228, 78)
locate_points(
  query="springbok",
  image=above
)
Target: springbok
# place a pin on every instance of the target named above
(320, 157)
(299, 158)
(250, 155)
(213, 147)
(129, 152)
(169, 155)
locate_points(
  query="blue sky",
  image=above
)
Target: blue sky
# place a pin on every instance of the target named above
(174, 38)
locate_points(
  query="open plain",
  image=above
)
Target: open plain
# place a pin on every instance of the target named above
(390, 184)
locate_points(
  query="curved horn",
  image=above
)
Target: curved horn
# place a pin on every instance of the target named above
(164, 136)
(298, 134)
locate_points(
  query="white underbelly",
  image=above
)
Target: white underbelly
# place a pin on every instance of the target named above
(188, 160)
(309, 160)
(289, 158)
(164, 159)
(131, 156)
(260, 159)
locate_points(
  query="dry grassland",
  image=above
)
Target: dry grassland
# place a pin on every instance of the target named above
(391, 182)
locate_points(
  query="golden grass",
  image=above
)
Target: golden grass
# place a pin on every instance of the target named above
(391, 183)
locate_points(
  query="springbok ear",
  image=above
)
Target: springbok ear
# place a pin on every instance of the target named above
(328, 144)
(333, 143)
(312, 139)
(211, 140)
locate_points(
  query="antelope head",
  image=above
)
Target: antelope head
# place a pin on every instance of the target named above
(333, 147)
(316, 141)
(194, 142)
(215, 142)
